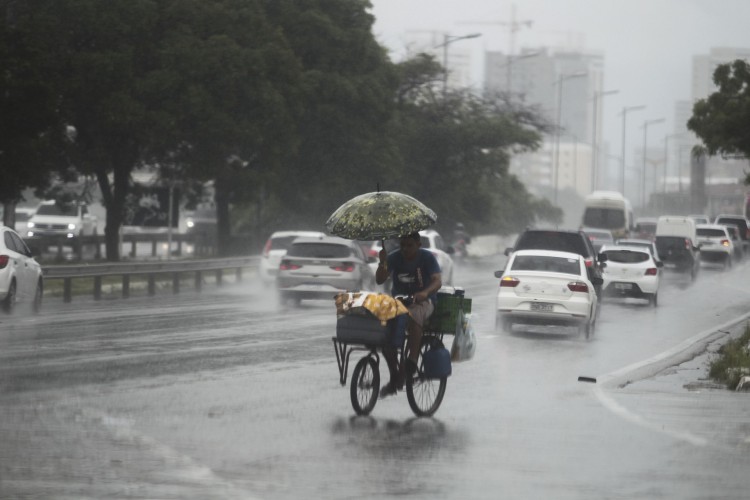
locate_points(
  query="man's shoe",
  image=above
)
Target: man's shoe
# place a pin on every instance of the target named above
(388, 389)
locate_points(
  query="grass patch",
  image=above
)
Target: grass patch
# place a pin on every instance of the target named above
(733, 362)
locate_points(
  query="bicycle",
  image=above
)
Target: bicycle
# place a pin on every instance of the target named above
(425, 389)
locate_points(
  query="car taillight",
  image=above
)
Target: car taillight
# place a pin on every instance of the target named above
(687, 244)
(725, 243)
(578, 286)
(267, 248)
(651, 271)
(509, 281)
(373, 252)
(4, 259)
(288, 266)
(589, 262)
(345, 267)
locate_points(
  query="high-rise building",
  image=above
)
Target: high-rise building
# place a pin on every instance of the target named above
(539, 78)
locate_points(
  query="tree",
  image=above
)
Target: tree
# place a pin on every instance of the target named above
(30, 128)
(722, 120)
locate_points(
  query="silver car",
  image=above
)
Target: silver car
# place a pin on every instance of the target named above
(320, 267)
(20, 274)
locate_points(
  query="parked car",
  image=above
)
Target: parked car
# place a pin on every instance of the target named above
(648, 244)
(61, 219)
(201, 221)
(320, 267)
(432, 241)
(631, 272)
(734, 234)
(715, 243)
(599, 237)
(645, 228)
(742, 223)
(548, 288)
(561, 241)
(275, 249)
(676, 242)
(20, 274)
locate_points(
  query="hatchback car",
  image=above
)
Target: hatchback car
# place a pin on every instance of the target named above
(548, 288)
(320, 267)
(645, 228)
(734, 234)
(647, 244)
(716, 244)
(631, 272)
(275, 248)
(20, 274)
(742, 223)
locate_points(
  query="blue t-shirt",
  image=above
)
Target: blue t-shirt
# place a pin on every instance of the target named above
(410, 277)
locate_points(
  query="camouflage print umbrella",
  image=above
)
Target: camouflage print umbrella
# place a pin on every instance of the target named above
(380, 215)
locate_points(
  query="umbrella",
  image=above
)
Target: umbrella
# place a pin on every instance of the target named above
(380, 215)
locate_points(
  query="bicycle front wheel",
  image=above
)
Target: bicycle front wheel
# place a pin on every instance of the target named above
(425, 394)
(365, 386)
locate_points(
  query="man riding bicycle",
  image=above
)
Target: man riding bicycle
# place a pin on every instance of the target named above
(416, 273)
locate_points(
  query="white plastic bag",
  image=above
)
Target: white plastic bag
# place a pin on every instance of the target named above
(465, 342)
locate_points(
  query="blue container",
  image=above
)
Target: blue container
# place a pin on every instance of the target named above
(437, 363)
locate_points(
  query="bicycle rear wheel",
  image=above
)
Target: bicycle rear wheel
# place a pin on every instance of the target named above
(425, 394)
(365, 386)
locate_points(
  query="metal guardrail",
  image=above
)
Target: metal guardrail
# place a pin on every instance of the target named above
(151, 270)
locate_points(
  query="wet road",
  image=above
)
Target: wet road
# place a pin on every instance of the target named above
(225, 395)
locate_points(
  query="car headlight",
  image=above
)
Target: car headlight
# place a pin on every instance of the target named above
(190, 223)
(29, 225)
(71, 226)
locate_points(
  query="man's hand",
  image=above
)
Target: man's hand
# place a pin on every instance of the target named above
(421, 297)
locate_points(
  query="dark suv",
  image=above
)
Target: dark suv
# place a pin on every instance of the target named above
(743, 225)
(562, 241)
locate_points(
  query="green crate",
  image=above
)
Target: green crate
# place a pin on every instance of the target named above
(447, 312)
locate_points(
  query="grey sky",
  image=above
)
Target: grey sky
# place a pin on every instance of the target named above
(647, 44)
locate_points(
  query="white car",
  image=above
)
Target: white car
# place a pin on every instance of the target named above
(320, 267)
(546, 287)
(20, 274)
(275, 249)
(647, 244)
(61, 219)
(432, 241)
(631, 271)
(716, 243)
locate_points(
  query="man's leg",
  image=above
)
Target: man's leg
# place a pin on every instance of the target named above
(418, 315)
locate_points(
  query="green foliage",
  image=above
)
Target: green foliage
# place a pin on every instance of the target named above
(722, 120)
(734, 357)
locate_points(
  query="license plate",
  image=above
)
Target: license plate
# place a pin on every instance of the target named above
(623, 286)
(541, 306)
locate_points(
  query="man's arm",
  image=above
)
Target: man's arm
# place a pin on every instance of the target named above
(381, 274)
(436, 282)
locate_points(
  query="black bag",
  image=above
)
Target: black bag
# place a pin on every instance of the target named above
(355, 329)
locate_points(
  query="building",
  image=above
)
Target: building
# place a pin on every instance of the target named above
(562, 85)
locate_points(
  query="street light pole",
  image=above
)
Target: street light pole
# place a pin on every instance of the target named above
(447, 40)
(645, 141)
(625, 111)
(595, 138)
(560, 81)
(666, 157)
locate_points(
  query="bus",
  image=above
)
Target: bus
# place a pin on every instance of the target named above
(608, 210)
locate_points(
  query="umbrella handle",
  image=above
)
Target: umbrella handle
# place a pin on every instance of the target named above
(382, 245)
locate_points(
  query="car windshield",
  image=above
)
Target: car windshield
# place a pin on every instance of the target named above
(626, 256)
(55, 209)
(609, 218)
(319, 250)
(714, 233)
(545, 263)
